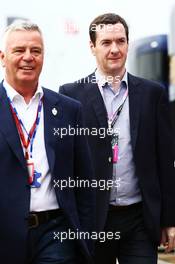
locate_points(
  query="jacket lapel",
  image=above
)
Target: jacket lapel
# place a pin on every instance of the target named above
(52, 118)
(8, 127)
(95, 98)
(134, 107)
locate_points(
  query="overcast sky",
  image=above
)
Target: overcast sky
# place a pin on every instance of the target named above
(67, 55)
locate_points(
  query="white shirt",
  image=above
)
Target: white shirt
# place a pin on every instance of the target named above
(44, 197)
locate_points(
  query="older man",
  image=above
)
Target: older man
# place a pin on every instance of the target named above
(35, 210)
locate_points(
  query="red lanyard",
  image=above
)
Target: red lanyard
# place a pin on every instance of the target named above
(21, 133)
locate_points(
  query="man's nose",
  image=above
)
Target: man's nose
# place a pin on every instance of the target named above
(27, 55)
(114, 47)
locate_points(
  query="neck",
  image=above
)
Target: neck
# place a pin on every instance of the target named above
(26, 93)
(115, 85)
(27, 90)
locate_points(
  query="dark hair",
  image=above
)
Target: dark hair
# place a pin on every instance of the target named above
(105, 19)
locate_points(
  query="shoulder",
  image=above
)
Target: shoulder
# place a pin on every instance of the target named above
(55, 97)
(146, 85)
(78, 84)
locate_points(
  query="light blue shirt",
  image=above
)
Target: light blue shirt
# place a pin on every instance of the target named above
(128, 191)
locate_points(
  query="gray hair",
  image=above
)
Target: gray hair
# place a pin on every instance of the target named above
(19, 25)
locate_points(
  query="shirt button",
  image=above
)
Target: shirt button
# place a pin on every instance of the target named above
(109, 159)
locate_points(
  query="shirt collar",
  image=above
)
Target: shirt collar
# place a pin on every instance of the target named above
(12, 93)
(101, 80)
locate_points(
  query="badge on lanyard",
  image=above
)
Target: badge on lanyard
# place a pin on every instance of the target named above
(115, 135)
(34, 176)
(35, 183)
(30, 167)
(114, 142)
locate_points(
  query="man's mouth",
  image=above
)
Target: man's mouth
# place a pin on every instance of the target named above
(27, 68)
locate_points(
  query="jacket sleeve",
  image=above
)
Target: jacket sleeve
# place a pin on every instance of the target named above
(85, 196)
(166, 160)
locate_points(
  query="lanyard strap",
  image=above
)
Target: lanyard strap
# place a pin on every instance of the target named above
(115, 116)
(20, 125)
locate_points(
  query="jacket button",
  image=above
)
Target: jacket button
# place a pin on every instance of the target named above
(109, 159)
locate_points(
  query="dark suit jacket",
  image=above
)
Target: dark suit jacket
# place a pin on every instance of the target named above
(67, 157)
(151, 144)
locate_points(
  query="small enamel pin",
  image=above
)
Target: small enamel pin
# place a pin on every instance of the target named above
(54, 111)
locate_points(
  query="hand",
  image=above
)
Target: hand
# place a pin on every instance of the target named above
(168, 238)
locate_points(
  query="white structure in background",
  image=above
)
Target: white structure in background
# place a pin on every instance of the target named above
(67, 52)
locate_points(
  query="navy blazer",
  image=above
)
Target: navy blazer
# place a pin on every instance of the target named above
(151, 141)
(67, 157)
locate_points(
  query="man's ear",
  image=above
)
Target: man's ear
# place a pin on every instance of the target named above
(92, 47)
(2, 58)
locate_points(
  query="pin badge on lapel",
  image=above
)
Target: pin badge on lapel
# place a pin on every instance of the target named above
(54, 111)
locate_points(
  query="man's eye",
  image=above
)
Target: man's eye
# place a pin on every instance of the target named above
(122, 40)
(105, 42)
(36, 51)
(18, 51)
